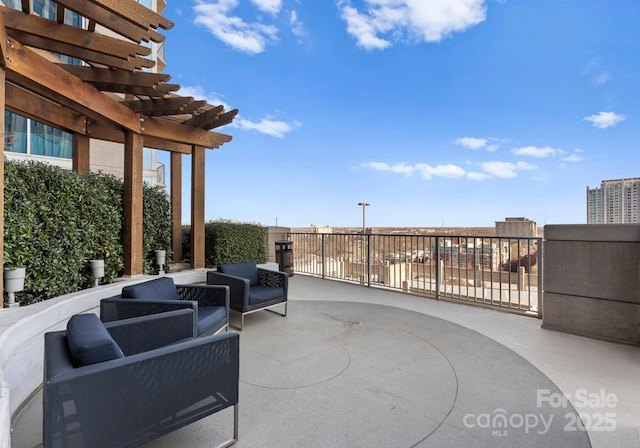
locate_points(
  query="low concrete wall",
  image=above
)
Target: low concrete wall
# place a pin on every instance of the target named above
(22, 341)
(591, 281)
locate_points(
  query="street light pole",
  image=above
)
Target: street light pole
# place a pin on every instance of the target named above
(364, 215)
(365, 263)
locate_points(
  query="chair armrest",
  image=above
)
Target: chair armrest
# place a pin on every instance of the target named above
(145, 333)
(238, 286)
(205, 295)
(116, 308)
(177, 384)
(274, 278)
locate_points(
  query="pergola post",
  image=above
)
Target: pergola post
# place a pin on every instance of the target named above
(132, 203)
(2, 103)
(197, 207)
(81, 159)
(176, 205)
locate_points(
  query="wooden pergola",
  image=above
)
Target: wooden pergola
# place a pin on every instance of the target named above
(109, 97)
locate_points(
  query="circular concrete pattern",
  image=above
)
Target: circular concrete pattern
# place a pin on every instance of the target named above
(291, 361)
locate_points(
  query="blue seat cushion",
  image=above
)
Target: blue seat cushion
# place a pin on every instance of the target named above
(161, 288)
(208, 316)
(89, 341)
(261, 294)
(248, 269)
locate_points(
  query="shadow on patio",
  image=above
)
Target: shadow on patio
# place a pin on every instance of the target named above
(360, 367)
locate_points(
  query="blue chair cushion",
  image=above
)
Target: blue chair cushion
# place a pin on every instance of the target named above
(261, 294)
(208, 316)
(247, 270)
(89, 341)
(161, 288)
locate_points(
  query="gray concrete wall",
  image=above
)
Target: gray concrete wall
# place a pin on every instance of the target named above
(591, 281)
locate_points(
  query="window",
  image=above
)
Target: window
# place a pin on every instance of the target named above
(147, 159)
(30, 137)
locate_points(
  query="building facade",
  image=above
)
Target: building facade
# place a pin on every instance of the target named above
(614, 202)
(517, 227)
(27, 139)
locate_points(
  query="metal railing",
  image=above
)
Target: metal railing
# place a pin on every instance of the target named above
(502, 272)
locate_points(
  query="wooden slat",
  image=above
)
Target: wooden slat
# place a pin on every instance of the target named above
(160, 90)
(136, 13)
(26, 6)
(201, 120)
(223, 119)
(2, 105)
(35, 107)
(162, 128)
(114, 76)
(31, 69)
(134, 63)
(71, 35)
(163, 106)
(111, 21)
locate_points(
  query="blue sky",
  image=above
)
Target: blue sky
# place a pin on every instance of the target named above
(460, 112)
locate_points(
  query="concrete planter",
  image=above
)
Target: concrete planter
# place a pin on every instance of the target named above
(13, 282)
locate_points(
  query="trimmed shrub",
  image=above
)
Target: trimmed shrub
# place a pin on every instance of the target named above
(58, 220)
(230, 242)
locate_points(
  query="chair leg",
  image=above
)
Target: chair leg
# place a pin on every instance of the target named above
(235, 430)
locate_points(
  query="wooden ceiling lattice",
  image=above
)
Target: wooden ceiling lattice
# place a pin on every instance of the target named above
(110, 93)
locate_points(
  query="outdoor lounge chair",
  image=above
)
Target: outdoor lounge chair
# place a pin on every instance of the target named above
(209, 303)
(251, 288)
(123, 383)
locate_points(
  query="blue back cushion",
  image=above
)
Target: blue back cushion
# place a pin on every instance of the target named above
(247, 269)
(161, 288)
(89, 341)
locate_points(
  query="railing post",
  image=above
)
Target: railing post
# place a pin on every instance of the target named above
(324, 255)
(369, 260)
(437, 268)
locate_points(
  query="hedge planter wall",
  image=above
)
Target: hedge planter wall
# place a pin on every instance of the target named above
(229, 242)
(57, 220)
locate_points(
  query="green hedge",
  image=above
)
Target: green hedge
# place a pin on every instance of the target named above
(229, 242)
(57, 220)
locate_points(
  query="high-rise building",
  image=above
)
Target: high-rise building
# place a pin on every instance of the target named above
(517, 227)
(27, 139)
(614, 202)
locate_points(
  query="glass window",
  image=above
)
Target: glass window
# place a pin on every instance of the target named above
(15, 133)
(147, 3)
(51, 142)
(147, 159)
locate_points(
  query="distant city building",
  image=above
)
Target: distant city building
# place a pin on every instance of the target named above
(321, 229)
(614, 202)
(517, 227)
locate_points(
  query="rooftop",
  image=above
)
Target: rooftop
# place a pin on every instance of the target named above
(355, 366)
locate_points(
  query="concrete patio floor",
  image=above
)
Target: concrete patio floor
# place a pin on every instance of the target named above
(359, 367)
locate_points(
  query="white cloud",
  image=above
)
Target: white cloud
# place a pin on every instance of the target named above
(493, 148)
(398, 168)
(297, 27)
(505, 170)
(525, 166)
(575, 157)
(270, 6)
(534, 151)
(472, 142)
(601, 78)
(451, 171)
(605, 120)
(387, 21)
(251, 38)
(274, 128)
(474, 175)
